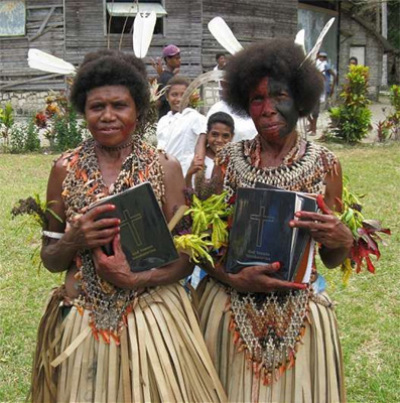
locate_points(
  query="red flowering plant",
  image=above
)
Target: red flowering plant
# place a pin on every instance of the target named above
(365, 232)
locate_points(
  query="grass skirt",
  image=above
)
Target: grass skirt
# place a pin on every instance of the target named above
(160, 355)
(317, 375)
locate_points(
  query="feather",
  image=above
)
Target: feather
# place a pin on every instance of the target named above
(223, 34)
(40, 60)
(312, 54)
(300, 39)
(143, 29)
(213, 75)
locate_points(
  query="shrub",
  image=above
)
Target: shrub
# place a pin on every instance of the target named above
(32, 142)
(351, 120)
(389, 128)
(6, 121)
(17, 139)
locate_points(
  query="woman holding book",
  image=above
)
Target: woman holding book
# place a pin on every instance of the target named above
(110, 334)
(270, 339)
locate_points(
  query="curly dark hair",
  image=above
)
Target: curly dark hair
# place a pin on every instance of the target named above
(111, 67)
(177, 80)
(279, 59)
(221, 117)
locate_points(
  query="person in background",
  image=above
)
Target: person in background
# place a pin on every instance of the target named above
(220, 131)
(172, 59)
(221, 63)
(244, 126)
(329, 75)
(353, 61)
(178, 132)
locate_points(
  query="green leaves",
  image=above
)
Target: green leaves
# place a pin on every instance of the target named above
(351, 120)
(209, 228)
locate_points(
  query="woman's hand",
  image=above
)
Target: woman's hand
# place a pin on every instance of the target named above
(115, 269)
(326, 229)
(88, 231)
(258, 279)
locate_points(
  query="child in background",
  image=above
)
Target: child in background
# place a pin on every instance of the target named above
(220, 131)
(178, 132)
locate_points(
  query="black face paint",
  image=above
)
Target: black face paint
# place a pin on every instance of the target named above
(284, 104)
(272, 108)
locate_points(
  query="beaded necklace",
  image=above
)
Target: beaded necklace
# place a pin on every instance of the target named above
(268, 326)
(84, 185)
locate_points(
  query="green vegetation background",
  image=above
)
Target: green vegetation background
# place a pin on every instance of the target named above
(368, 308)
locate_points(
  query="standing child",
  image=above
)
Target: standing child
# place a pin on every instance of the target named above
(178, 132)
(220, 131)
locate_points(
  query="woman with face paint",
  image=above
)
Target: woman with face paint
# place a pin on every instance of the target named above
(273, 340)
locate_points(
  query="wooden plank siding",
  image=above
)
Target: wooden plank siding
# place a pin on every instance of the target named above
(76, 27)
(85, 31)
(45, 31)
(250, 21)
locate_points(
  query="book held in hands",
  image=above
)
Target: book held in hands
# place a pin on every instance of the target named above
(261, 233)
(145, 237)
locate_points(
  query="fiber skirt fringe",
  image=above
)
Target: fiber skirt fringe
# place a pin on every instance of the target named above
(317, 375)
(160, 357)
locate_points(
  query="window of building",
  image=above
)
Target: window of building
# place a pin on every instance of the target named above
(12, 18)
(120, 14)
(359, 53)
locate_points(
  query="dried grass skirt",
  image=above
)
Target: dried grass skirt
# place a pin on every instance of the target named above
(317, 375)
(160, 356)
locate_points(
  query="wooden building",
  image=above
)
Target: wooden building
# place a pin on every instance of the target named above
(71, 28)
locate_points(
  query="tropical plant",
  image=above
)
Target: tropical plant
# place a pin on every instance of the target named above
(6, 121)
(351, 120)
(389, 128)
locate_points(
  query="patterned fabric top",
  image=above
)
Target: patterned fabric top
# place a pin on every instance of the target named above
(84, 185)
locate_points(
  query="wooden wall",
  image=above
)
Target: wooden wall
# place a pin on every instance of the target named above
(44, 30)
(250, 21)
(75, 27)
(85, 31)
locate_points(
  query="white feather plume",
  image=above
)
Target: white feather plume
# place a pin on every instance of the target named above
(43, 61)
(312, 54)
(300, 40)
(223, 34)
(143, 29)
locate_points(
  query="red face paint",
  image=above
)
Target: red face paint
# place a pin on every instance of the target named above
(272, 108)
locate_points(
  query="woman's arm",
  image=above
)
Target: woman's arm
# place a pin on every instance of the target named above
(334, 236)
(84, 233)
(115, 268)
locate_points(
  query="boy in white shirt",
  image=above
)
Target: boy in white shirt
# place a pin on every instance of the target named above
(178, 132)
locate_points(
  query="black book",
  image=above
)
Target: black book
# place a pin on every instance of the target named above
(261, 233)
(145, 237)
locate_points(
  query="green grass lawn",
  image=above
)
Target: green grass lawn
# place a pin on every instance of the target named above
(368, 308)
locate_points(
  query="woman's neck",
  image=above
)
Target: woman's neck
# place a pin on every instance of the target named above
(273, 153)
